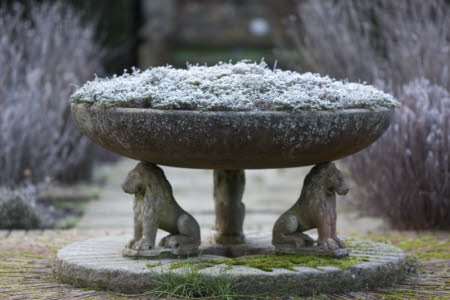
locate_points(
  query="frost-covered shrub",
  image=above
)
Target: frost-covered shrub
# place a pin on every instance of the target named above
(19, 210)
(380, 41)
(44, 51)
(406, 175)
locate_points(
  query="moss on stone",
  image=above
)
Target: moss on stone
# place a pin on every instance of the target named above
(195, 265)
(268, 263)
(153, 265)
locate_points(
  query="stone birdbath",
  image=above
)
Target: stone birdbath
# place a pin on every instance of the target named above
(228, 118)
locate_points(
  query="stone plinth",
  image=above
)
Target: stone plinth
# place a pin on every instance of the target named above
(98, 263)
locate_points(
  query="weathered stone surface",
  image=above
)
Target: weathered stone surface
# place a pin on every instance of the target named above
(98, 263)
(156, 208)
(311, 250)
(231, 140)
(230, 211)
(315, 208)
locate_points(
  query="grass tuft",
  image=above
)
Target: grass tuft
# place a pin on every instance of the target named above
(193, 285)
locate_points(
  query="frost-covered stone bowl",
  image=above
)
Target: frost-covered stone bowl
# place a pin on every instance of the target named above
(231, 116)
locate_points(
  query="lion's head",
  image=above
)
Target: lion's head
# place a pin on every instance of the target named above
(332, 178)
(138, 179)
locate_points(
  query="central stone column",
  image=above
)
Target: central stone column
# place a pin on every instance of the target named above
(230, 211)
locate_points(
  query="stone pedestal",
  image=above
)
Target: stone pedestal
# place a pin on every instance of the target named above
(98, 263)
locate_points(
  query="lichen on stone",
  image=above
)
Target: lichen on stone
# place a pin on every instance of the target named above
(242, 86)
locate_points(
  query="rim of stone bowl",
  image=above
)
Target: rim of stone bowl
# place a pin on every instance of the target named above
(107, 106)
(235, 139)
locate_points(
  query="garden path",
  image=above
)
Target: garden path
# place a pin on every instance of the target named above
(267, 194)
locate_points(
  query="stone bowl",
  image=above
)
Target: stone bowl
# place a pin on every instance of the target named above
(231, 139)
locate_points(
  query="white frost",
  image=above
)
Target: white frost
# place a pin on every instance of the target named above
(241, 86)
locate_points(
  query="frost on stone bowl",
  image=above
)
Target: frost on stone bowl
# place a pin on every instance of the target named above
(231, 116)
(243, 86)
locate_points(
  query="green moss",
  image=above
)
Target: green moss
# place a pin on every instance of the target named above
(268, 263)
(194, 265)
(425, 247)
(400, 295)
(153, 265)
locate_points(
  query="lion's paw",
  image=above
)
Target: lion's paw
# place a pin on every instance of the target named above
(328, 244)
(340, 243)
(176, 241)
(131, 243)
(165, 241)
(143, 244)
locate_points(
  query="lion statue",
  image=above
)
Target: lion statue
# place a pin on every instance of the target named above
(155, 207)
(315, 208)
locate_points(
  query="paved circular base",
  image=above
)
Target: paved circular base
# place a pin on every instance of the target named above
(98, 263)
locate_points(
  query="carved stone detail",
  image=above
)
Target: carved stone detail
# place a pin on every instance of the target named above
(155, 207)
(315, 208)
(230, 211)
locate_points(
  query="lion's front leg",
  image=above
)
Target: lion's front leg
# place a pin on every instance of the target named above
(325, 241)
(334, 236)
(328, 239)
(137, 210)
(150, 221)
(327, 233)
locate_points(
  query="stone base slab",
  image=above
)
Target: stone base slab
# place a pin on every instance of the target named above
(99, 263)
(313, 250)
(161, 252)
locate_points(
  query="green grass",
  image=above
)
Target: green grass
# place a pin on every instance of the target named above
(193, 285)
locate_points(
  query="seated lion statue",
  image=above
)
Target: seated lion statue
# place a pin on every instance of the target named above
(315, 208)
(155, 207)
